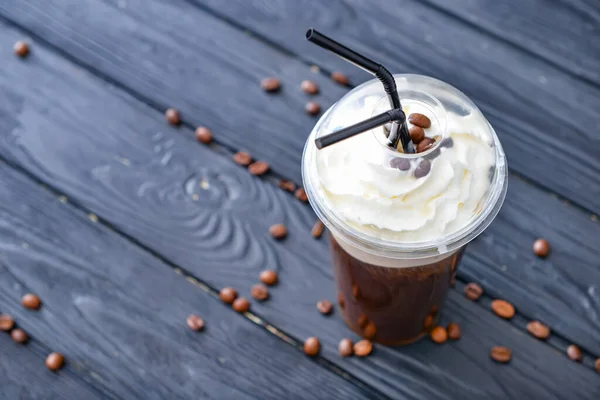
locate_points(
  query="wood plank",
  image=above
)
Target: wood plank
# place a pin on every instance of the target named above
(142, 175)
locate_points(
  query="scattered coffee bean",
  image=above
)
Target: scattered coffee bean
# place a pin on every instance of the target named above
(260, 292)
(31, 301)
(454, 331)
(425, 144)
(448, 142)
(574, 353)
(473, 291)
(241, 305)
(271, 84)
(55, 361)
(242, 158)
(340, 78)
(269, 277)
(541, 248)
(363, 348)
(419, 120)
(428, 322)
(341, 300)
(501, 354)
(416, 134)
(400, 163)
(597, 364)
(318, 229)
(423, 168)
(345, 347)
(309, 87)
(438, 334)
(173, 116)
(278, 231)
(258, 168)
(228, 295)
(19, 336)
(503, 309)
(363, 321)
(370, 331)
(539, 330)
(195, 323)
(312, 346)
(21, 49)
(312, 108)
(203, 135)
(301, 195)
(6, 322)
(287, 185)
(325, 307)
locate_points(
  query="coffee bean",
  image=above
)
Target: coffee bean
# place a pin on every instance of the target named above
(448, 142)
(6, 322)
(416, 134)
(400, 163)
(21, 49)
(269, 277)
(345, 348)
(260, 292)
(241, 305)
(438, 334)
(473, 291)
(312, 108)
(428, 322)
(228, 295)
(203, 135)
(423, 168)
(309, 87)
(242, 158)
(454, 331)
(340, 78)
(574, 353)
(370, 331)
(419, 120)
(501, 354)
(539, 330)
(195, 323)
(341, 301)
(55, 361)
(31, 301)
(258, 168)
(301, 195)
(278, 231)
(19, 336)
(597, 364)
(363, 348)
(173, 116)
(541, 248)
(312, 346)
(363, 321)
(271, 84)
(325, 307)
(287, 185)
(318, 229)
(425, 144)
(503, 309)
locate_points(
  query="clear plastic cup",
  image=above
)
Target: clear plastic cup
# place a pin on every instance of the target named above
(392, 269)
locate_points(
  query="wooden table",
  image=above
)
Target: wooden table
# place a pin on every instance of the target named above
(124, 225)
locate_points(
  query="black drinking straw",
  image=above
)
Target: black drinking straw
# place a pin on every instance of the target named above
(399, 131)
(389, 116)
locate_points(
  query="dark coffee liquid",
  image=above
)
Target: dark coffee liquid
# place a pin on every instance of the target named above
(391, 305)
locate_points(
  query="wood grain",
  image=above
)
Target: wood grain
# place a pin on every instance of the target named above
(117, 157)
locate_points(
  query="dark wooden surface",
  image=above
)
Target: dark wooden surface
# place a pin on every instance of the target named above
(83, 115)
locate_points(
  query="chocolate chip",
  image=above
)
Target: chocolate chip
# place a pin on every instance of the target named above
(309, 87)
(501, 354)
(312, 108)
(355, 292)
(419, 120)
(416, 134)
(271, 84)
(574, 353)
(260, 292)
(423, 168)
(370, 331)
(19, 336)
(287, 185)
(340, 78)
(541, 248)
(425, 144)
(195, 323)
(31, 301)
(301, 195)
(325, 307)
(6, 322)
(203, 135)
(173, 116)
(454, 331)
(428, 322)
(539, 330)
(363, 348)
(345, 348)
(278, 231)
(21, 49)
(363, 321)
(242, 158)
(438, 334)
(241, 305)
(448, 143)
(312, 346)
(269, 277)
(228, 295)
(258, 168)
(503, 309)
(473, 291)
(55, 361)
(400, 163)
(318, 229)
